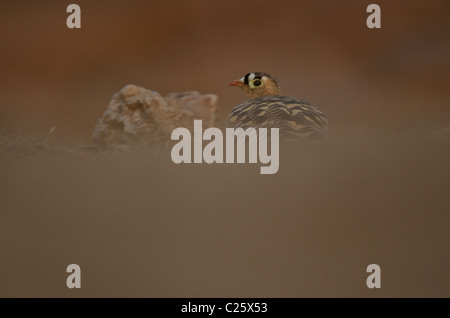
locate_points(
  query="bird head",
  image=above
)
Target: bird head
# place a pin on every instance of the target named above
(258, 84)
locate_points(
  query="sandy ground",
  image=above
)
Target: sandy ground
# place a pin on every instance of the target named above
(141, 226)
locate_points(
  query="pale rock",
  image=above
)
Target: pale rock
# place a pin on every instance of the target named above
(136, 115)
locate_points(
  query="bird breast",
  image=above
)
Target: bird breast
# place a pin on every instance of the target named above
(294, 117)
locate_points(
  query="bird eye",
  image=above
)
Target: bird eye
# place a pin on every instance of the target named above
(256, 83)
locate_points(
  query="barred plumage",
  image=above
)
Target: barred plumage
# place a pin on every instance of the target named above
(296, 119)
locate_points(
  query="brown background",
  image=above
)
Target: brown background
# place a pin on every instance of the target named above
(320, 51)
(141, 226)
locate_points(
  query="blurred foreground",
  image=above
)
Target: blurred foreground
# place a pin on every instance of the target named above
(141, 226)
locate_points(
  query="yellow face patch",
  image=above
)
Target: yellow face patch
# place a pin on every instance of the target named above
(255, 83)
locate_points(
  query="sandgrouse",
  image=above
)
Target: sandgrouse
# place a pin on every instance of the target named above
(269, 108)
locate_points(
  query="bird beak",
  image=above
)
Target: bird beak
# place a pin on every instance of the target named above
(236, 83)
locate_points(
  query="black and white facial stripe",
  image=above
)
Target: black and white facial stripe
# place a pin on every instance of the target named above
(258, 75)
